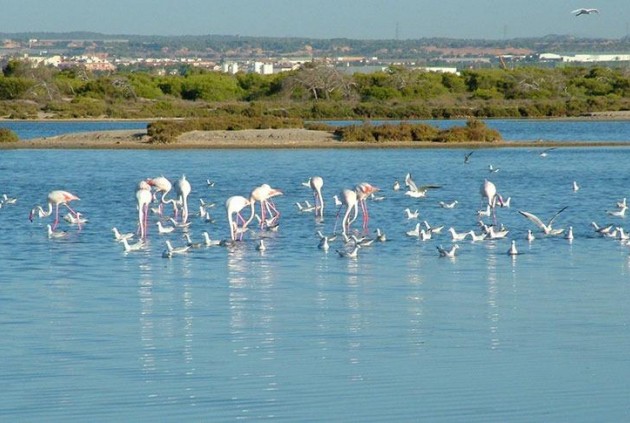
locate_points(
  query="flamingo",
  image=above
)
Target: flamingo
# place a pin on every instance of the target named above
(263, 194)
(233, 206)
(316, 183)
(164, 186)
(349, 200)
(143, 198)
(183, 188)
(364, 190)
(488, 191)
(58, 198)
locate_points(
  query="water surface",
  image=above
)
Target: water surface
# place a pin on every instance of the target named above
(297, 334)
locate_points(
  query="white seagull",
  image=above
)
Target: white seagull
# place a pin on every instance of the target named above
(512, 251)
(457, 236)
(132, 247)
(411, 215)
(415, 191)
(546, 227)
(414, 232)
(447, 253)
(448, 205)
(163, 229)
(576, 187)
(208, 241)
(119, 237)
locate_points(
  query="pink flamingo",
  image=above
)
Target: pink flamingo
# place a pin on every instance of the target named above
(163, 185)
(58, 198)
(364, 190)
(349, 200)
(263, 194)
(316, 183)
(233, 206)
(183, 188)
(143, 197)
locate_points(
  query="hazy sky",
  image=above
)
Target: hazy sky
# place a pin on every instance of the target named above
(363, 19)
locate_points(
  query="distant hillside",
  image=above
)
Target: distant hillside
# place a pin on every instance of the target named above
(226, 45)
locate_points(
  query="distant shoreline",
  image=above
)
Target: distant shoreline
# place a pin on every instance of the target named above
(130, 139)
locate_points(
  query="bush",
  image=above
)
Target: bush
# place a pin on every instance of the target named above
(7, 135)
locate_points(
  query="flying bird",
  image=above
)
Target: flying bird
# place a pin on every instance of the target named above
(546, 227)
(578, 12)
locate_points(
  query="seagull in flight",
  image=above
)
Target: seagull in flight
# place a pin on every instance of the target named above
(546, 227)
(578, 12)
(467, 157)
(416, 191)
(545, 152)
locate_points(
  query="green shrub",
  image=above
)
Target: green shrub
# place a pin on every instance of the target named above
(7, 135)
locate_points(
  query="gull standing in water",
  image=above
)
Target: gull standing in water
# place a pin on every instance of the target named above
(447, 253)
(512, 251)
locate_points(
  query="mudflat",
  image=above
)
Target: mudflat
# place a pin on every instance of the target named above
(252, 139)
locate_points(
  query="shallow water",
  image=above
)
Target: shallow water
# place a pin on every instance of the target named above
(296, 334)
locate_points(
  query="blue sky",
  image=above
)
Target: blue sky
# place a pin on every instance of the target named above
(362, 19)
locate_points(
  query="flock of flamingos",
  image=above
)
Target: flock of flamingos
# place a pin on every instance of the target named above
(152, 196)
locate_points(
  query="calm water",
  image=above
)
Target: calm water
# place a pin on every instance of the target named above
(296, 334)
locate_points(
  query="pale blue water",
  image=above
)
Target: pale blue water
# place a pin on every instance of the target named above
(295, 334)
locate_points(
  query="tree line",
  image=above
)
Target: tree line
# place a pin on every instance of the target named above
(315, 91)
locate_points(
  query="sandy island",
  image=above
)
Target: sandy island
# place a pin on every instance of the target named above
(267, 138)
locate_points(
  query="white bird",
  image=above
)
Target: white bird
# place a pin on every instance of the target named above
(512, 251)
(396, 186)
(415, 191)
(432, 229)
(177, 224)
(623, 203)
(323, 244)
(353, 253)
(576, 187)
(545, 152)
(137, 246)
(411, 215)
(8, 200)
(476, 237)
(448, 205)
(602, 230)
(192, 244)
(457, 236)
(569, 234)
(380, 235)
(497, 234)
(582, 11)
(493, 169)
(338, 202)
(164, 229)
(503, 202)
(618, 213)
(623, 236)
(530, 236)
(261, 245)
(208, 242)
(414, 232)
(425, 235)
(119, 237)
(75, 220)
(55, 234)
(486, 212)
(546, 227)
(447, 253)
(171, 251)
